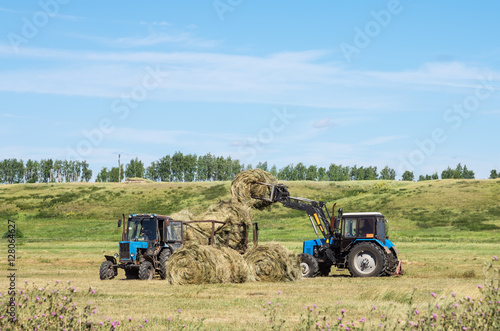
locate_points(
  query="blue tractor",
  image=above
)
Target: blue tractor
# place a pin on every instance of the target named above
(354, 241)
(148, 241)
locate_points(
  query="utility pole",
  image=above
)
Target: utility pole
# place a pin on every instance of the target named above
(119, 169)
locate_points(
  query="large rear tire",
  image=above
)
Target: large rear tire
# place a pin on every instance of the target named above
(309, 265)
(392, 264)
(107, 271)
(366, 260)
(146, 271)
(164, 256)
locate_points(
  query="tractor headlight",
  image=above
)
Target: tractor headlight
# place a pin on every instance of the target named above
(132, 255)
(116, 255)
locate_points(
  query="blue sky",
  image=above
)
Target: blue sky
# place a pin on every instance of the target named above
(410, 84)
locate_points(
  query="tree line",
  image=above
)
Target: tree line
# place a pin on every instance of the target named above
(13, 171)
(178, 167)
(181, 167)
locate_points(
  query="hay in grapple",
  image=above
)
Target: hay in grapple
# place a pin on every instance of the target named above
(273, 263)
(244, 187)
(198, 264)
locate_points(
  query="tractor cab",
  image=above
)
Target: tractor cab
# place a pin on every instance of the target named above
(148, 240)
(362, 227)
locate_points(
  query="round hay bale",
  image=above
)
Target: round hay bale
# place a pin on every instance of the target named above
(243, 188)
(197, 264)
(240, 271)
(273, 263)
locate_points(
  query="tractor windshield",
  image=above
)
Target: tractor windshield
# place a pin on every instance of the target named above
(142, 229)
(381, 231)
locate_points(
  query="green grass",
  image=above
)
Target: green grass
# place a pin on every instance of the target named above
(441, 268)
(446, 232)
(432, 210)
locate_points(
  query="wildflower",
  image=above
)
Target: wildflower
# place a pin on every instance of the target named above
(374, 307)
(146, 321)
(479, 287)
(179, 311)
(438, 306)
(343, 311)
(278, 304)
(416, 312)
(279, 292)
(57, 282)
(315, 306)
(363, 320)
(433, 294)
(495, 258)
(269, 303)
(453, 294)
(130, 319)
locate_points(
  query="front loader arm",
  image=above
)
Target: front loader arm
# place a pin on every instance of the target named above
(316, 210)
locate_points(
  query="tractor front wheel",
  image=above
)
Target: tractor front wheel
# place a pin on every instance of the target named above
(107, 271)
(309, 265)
(366, 260)
(146, 271)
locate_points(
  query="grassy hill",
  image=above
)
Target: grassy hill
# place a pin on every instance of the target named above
(442, 210)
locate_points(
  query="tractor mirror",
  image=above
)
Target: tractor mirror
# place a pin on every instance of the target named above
(119, 223)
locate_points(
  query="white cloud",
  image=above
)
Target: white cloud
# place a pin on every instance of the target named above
(324, 123)
(289, 78)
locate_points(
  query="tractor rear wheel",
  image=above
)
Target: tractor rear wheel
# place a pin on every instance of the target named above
(164, 256)
(107, 271)
(366, 260)
(309, 265)
(392, 264)
(146, 271)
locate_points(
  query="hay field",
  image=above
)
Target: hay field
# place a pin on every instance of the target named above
(441, 268)
(446, 232)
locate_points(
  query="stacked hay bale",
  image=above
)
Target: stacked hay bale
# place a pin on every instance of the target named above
(199, 263)
(273, 263)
